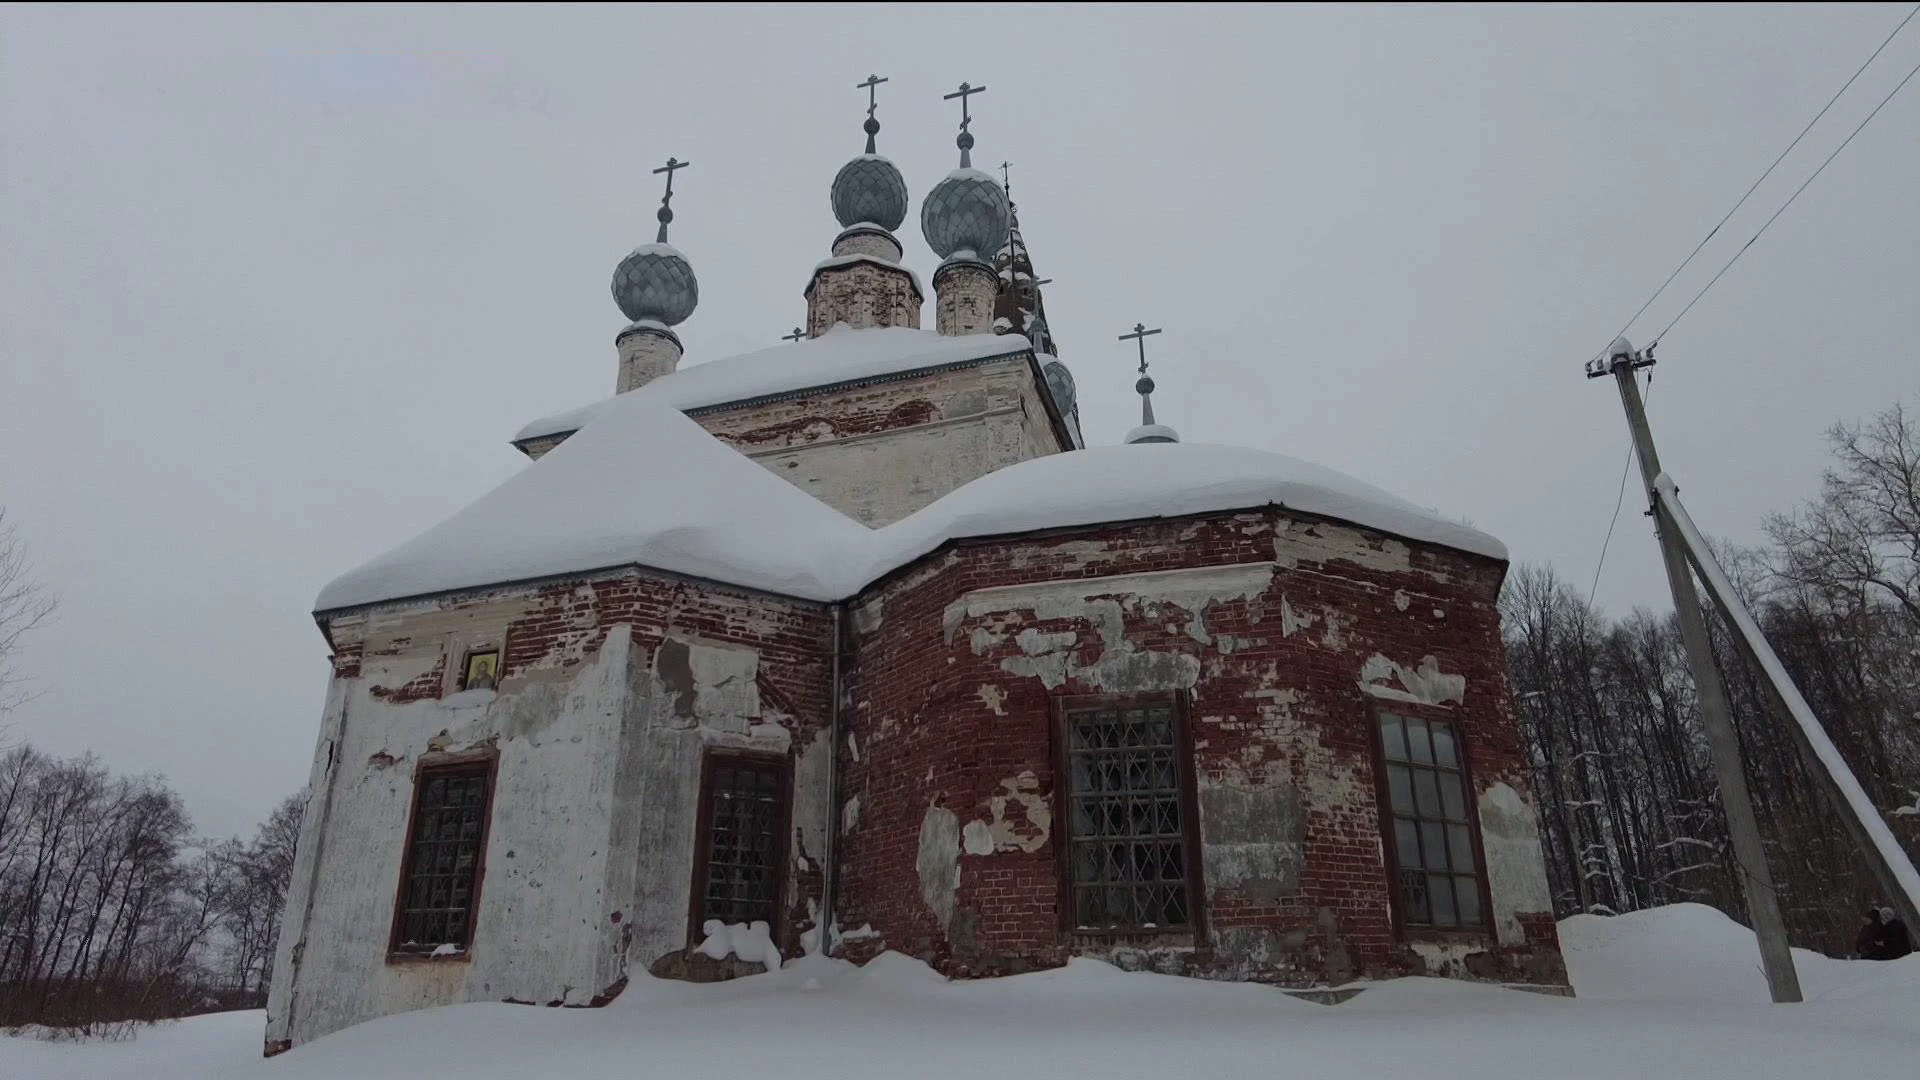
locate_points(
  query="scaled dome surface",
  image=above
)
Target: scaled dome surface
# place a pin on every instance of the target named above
(655, 282)
(965, 211)
(870, 189)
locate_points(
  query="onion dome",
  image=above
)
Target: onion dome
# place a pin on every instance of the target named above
(869, 189)
(1060, 382)
(655, 282)
(965, 211)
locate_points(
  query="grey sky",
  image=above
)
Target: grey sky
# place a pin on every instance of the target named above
(279, 284)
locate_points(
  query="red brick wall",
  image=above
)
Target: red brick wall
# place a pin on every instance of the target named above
(946, 723)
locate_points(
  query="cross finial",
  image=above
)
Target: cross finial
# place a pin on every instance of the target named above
(797, 335)
(1144, 384)
(1006, 178)
(1139, 336)
(665, 214)
(872, 126)
(965, 141)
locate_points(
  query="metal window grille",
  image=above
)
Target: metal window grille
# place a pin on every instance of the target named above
(1432, 833)
(743, 841)
(1129, 859)
(443, 858)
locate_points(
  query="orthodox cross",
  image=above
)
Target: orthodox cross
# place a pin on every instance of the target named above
(1140, 335)
(872, 126)
(666, 209)
(1006, 179)
(873, 101)
(798, 333)
(965, 140)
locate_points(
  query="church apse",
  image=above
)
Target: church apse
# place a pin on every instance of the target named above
(1231, 665)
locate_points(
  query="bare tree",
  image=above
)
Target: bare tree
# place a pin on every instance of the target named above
(23, 606)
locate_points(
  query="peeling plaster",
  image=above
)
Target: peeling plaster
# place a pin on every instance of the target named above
(1023, 792)
(1291, 621)
(993, 698)
(1295, 542)
(850, 814)
(1425, 685)
(977, 838)
(938, 862)
(1401, 600)
(1054, 657)
(1516, 874)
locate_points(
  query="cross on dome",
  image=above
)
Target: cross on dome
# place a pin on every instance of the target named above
(665, 215)
(965, 141)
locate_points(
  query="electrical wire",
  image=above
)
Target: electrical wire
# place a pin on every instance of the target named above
(1619, 500)
(1626, 468)
(1728, 216)
(1783, 206)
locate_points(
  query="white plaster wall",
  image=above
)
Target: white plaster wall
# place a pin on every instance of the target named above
(543, 931)
(1516, 871)
(986, 418)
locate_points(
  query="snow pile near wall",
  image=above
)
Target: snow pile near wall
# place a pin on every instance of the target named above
(824, 1020)
(1691, 952)
(642, 485)
(841, 355)
(1148, 480)
(748, 941)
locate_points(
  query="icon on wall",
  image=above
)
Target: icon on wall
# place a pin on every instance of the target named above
(483, 670)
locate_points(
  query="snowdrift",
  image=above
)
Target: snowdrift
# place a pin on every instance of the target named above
(1675, 992)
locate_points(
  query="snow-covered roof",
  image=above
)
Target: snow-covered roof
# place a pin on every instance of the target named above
(1149, 480)
(642, 485)
(838, 356)
(705, 510)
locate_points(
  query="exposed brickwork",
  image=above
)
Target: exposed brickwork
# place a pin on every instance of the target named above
(862, 294)
(963, 301)
(953, 706)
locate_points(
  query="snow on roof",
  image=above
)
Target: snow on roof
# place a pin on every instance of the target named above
(640, 485)
(1148, 480)
(840, 355)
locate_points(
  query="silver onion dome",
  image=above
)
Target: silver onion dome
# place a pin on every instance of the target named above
(1060, 382)
(965, 211)
(870, 189)
(656, 282)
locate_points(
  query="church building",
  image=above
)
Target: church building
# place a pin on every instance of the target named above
(852, 645)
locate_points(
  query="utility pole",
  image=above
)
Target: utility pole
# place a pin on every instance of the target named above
(1763, 905)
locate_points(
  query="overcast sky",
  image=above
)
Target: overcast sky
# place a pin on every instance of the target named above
(278, 285)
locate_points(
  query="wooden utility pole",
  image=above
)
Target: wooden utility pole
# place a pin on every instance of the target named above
(1763, 905)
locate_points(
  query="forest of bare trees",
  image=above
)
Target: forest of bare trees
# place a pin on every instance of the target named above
(1628, 799)
(111, 910)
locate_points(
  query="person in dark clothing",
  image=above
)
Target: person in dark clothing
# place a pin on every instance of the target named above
(1872, 941)
(1895, 942)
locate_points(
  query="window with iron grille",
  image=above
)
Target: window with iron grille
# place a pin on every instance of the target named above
(1128, 843)
(1431, 832)
(444, 847)
(744, 812)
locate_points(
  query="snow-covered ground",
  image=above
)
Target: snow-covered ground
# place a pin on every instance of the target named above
(1675, 992)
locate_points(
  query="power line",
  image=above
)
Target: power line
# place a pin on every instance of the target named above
(1619, 500)
(1715, 231)
(1626, 468)
(1783, 206)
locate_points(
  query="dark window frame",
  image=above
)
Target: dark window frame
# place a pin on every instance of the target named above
(1389, 844)
(485, 762)
(781, 766)
(1192, 859)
